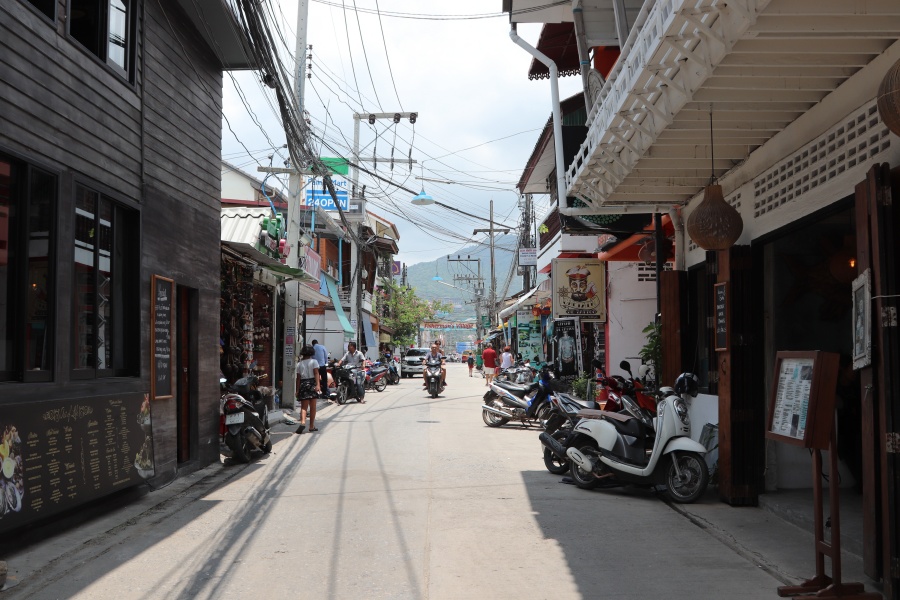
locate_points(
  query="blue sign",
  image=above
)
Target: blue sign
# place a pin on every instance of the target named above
(317, 195)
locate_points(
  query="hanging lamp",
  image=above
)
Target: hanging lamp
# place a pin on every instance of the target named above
(889, 99)
(714, 224)
(422, 199)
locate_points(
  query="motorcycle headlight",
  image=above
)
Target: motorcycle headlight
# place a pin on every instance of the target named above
(682, 411)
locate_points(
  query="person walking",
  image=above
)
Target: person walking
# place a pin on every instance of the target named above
(506, 359)
(471, 362)
(308, 388)
(489, 357)
(321, 356)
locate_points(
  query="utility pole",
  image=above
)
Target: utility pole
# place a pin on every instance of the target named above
(526, 241)
(492, 302)
(356, 315)
(479, 287)
(295, 185)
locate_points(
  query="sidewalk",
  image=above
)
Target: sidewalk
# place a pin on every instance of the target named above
(782, 549)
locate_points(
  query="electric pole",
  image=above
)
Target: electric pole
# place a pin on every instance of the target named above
(479, 287)
(492, 302)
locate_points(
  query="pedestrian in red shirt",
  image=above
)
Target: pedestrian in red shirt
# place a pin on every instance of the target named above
(489, 356)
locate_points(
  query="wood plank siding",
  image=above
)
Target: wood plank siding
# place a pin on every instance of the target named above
(151, 142)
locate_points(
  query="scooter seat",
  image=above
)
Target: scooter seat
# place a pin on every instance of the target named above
(516, 390)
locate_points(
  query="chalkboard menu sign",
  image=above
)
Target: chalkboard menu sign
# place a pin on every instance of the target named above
(59, 454)
(801, 405)
(161, 346)
(721, 314)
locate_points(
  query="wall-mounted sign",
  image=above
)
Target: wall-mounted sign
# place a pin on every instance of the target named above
(579, 289)
(862, 320)
(721, 313)
(162, 368)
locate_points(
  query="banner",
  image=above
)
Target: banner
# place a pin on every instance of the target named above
(579, 289)
(448, 325)
(529, 336)
(567, 348)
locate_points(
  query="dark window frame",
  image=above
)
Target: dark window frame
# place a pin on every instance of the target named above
(50, 18)
(700, 342)
(125, 306)
(18, 300)
(101, 52)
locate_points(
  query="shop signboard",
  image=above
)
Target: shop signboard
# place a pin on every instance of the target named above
(161, 338)
(801, 404)
(528, 257)
(529, 335)
(318, 195)
(579, 289)
(567, 348)
(59, 454)
(720, 307)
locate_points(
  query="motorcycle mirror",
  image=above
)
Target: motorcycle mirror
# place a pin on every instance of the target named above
(625, 366)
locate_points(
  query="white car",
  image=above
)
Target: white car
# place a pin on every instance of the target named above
(412, 362)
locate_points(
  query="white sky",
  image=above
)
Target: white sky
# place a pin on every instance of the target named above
(479, 116)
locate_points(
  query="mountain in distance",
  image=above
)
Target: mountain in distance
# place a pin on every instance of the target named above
(420, 276)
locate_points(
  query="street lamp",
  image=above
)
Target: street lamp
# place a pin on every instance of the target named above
(422, 199)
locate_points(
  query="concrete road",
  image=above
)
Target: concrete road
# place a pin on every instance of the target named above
(404, 497)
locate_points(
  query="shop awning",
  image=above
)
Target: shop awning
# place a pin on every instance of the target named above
(549, 266)
(535, 295)
(333, 292)
(367, 331)
(628, 249)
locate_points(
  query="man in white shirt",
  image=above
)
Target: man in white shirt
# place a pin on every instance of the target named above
(355, 358)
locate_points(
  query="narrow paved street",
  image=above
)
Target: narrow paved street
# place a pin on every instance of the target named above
(406, 497)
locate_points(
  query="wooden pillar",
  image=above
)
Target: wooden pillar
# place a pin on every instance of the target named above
(871, 501)
(673, 308)
(741, 397)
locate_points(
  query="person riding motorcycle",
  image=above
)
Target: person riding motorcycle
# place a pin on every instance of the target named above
(435, 354)
(355, 358)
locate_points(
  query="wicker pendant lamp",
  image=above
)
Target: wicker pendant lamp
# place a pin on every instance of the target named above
(714, 224)
(889, 99)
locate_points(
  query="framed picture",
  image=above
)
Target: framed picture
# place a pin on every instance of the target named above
(862, 320)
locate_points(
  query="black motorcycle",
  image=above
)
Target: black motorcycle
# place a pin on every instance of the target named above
(564, 415)
(349, 383)
(433, 381)
(245, 419)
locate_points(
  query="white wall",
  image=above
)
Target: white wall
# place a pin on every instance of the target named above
(632, 305)
(236, 186)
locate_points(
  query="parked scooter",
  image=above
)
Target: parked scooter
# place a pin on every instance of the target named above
(528, 404)
(564, 415)
(245, 419)
(433, 382)
(376, 377)
(618, 448)
(349, 383)
(393, 376)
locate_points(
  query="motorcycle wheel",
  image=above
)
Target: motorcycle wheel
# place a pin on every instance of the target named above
(239, 446)
(434, 390)
(267, 447)
(554, 464)
(492, 420)
(543, 414)
(381, 384)
(341, 394)
(695, 478)
(583, 479)
(394, 378)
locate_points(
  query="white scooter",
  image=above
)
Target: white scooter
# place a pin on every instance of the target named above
(619, 448)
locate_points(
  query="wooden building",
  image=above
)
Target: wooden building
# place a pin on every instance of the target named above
(110, 143)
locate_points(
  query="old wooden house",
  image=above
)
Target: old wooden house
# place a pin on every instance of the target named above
(110, 143)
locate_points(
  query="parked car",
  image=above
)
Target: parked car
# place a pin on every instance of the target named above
(412, 362)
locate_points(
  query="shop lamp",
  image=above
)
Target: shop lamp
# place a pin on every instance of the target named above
(889, 99)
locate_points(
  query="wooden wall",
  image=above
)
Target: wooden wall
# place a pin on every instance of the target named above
(153, 144)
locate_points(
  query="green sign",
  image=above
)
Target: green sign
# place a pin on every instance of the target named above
(485, 322)
(338, 166)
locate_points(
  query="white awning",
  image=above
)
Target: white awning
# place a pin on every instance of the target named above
(535, 295)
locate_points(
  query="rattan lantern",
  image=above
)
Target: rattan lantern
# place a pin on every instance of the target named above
(714, 224)
(889, 99)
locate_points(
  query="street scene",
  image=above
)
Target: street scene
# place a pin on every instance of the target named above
(390, 299)
(412, 497)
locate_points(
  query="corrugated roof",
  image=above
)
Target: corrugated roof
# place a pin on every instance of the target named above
(242, 224)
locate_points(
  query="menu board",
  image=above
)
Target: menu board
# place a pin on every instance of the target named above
(720, 307)
(801, 407)
(161, 366)
(62, 453)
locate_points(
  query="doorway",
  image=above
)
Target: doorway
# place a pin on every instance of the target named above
(186, 410)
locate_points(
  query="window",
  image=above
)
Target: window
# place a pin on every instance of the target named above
(27, 205)
(105, 299)
(46, 7)
(699, 330)
(106, 29)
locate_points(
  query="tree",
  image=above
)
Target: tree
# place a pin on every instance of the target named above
(401, 310)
